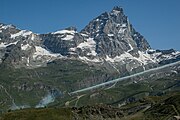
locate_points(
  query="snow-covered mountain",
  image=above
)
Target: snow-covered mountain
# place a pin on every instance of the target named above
(108, 40)
(37, 69)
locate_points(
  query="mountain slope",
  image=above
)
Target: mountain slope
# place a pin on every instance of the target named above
(109, 38)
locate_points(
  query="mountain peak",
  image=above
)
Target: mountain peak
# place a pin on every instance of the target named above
(117, 11)
(5, 26)
(117, 8)
(114, 34)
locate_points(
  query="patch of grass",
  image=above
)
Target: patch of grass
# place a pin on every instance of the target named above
(39, 114)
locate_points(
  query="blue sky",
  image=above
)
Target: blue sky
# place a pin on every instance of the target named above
(157, 20)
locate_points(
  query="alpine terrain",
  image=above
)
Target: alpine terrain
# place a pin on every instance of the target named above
(108, 70)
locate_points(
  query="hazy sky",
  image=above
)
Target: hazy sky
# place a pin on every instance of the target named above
(157, 20)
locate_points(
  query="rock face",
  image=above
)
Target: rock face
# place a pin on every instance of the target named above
(114, 34)
(108, 39)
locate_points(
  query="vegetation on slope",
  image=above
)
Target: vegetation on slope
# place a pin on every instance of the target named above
(149, 108)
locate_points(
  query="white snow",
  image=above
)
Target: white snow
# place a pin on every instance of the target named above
(3, 45)
(69, 34)
(121, 30)
(89, 60)
(84, 34)
(117, 25)
(68, 37)
(24, 47)
(97, 19)
(6, 26)
(110, 35)
(176, 53)
(123, 25)
(32, 37)
(72, 49)
(131, 48)
(143, 58)
(64, 32)
(89, 44)
(97, 34)
(109, 59)
(158, 56)
(28, 61)
(42, 51)
(151, 50)
(119, 58)
(21, 33)
(135, 35)
(93, 53)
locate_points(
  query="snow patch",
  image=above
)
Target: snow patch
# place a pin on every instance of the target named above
(24, 47)
(84, 34)
(97, 19)
(152, 50)
(89, 60)
(143, 58)
(21, 33)
(3, 45)
(123, 25)
(176, 53)
(89, 44)
(119, 58)
(32, 37)
(64, 32)
(68, 37)
(42, 51)
(7, 26)
(28, 61)
(110, 35)
(72, 49)
(121, 30)
(109, 59)
(131, 48)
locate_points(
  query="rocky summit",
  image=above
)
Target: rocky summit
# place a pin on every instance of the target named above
(36, 69)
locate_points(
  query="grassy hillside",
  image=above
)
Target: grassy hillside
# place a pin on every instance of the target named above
(28, 86)
(149, 108)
